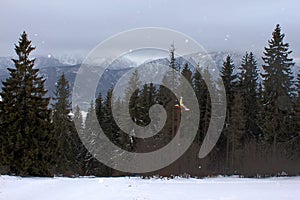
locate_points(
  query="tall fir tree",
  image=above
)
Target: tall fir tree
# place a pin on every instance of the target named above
(199, 88)
(248, 85)
(69, 144)
(278, 88)
(230, 83)
(296, 123)
(26, 127)
(187, 73)
(166, 95)
(229, 79)
(206, 101)
(132, 94)
(237, 128)
(78, 119)
(83, 153)
(92, 139)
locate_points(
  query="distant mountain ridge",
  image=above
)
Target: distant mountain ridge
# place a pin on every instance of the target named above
(51, 68)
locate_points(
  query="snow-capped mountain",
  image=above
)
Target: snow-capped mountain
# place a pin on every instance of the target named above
(52, 68)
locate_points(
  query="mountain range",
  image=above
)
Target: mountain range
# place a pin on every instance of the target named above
(51, 68)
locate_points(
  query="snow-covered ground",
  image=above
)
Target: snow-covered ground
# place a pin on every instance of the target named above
(221, 188)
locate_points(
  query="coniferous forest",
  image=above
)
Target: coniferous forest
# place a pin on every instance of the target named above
(261, 134)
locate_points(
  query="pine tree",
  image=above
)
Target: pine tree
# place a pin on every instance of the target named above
(295, 139)
(198, 86)
(99, 109)
(260, 112)
(132, 97)
(248, 86)
(111, 128)
(146, 98)
(207, 101)
(167, 97)
(173, 64)
(26, 120)
(144, 103)
(69, 144)
(229, 80)
(83, 153)
(91, 137)
(278, 87)
(187, 73)
(78, 119)
(203, 97)
(237, 128)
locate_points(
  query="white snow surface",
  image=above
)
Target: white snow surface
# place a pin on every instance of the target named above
(128, 188)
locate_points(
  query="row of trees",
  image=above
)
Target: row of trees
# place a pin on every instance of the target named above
(261, 134)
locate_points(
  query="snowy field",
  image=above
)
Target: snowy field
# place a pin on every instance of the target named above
(228, 188)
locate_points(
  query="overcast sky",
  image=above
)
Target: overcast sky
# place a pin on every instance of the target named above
(65, 27)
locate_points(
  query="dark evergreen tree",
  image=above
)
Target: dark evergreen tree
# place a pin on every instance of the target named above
(295, 137)
(131, 96)
(92, 140)
(146, 98)
(229, 79)
(230, 83)
(206, 101)
(83, 154)
(69, 144)
(144, 103)
(198, 86)
(260, 112)
(107, 122)
(248, 85)
(187, 73)
(173, 63)
(26, 129)
(166, 95)
(78, 119)
(237, 128)
(99, 107)
(278, 88)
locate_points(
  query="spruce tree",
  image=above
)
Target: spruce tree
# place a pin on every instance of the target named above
(132, 97)
(198, 86)
(99, 108)
(260, 116)
(83, 153)
(92, 139)
(110, 128)
(144, 104)
(78, 119)
(187, 73)
(237, 128)
(229, 79)
(69, 144)
(26, 126)
(167, 97)
(230, 82)
(278, 88)
(206, 101)
(248, 85)
(295, 139)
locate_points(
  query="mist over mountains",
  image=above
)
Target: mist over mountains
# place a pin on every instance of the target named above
(52, 68)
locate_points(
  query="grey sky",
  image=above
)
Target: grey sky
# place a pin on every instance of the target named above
(74, 27)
